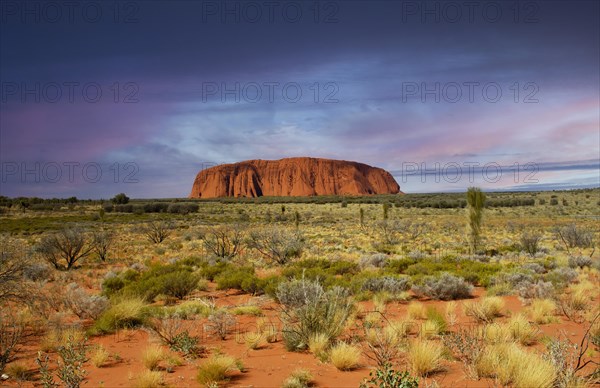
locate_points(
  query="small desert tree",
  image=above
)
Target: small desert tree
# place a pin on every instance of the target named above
(386, 210)
(276, 244)
(102, 241)
(12, 330)
(224, 241)
(475, 203)
(574, 237)
(530, 242)
(120, 199)
(13, 263)
(157, 231)
(69, 245)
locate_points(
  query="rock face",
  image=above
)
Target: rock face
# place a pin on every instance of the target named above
(292, 177)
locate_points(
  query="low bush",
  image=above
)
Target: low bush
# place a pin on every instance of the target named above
(220, 322)
(376, 260)
(561, 277)
(573, 236)
(173, 280)
(580, 261)
(394, 285)
(473, 271)
(539, 290)
(445, 287)
(84, 305)
(223, 241)
(386, 377)
(530, 242)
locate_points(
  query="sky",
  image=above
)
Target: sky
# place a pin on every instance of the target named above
(98, 98)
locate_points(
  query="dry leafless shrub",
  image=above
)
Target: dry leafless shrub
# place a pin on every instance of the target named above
(278, 245)
(223, 241)
(467, 345)
(102, 242)
(15, 264)
(157, 231)
(12, 331)
(381, 345)
(530, 242)
(174, 332)
(220, 323)
(69, 245)
(574, 237)
(571, 360)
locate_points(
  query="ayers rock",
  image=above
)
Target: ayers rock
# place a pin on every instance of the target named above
(292, 177)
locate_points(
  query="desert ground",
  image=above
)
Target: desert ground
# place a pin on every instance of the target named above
(376, 291)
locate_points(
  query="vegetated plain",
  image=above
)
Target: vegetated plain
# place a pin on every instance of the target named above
(294, 292)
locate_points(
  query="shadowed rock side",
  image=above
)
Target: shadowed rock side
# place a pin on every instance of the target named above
(292, 177)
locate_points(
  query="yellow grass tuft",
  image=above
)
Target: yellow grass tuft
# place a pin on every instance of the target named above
(400, 328)
(318, 344)
(99, 357)
(416, 310)
(300, 378)
(431, 328)
(521, 330)
(149, 379)
(497, 333)
(152, 357)
(56, 338)
(451, 316)
(254, 340)
(541, 311)
(345, 356)
(512, 365)
(486, 310)
(425, 357)
(215, 369)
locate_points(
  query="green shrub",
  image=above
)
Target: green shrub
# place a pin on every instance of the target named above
(127, 313)
(178, 284)
(386, 377)
(174, 280)
(234, 277)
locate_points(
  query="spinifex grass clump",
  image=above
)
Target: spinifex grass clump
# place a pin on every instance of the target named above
(310, 310)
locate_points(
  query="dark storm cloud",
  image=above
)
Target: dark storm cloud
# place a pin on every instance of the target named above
(361, 54)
